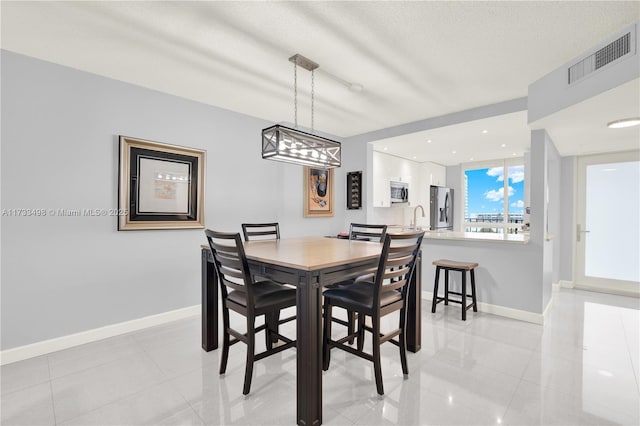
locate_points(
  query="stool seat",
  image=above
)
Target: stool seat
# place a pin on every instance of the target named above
(452, 264)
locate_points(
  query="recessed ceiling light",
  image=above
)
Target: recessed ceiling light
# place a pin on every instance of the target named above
(385, 148)
(514, 154)
(485, 131)
(503, 145)
(470, 158)
(625, 122)
(414, 157)
(453, 152)
(428, 140)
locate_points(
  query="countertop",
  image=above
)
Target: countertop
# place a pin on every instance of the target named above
(477, 236)
(522, 238)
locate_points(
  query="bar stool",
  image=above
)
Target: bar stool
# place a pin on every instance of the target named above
(452, 265)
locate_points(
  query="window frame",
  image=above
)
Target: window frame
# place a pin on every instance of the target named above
(506, 163)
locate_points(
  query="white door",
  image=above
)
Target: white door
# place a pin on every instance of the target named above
(608, 223)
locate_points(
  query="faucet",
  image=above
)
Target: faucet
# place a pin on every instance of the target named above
(415, 211)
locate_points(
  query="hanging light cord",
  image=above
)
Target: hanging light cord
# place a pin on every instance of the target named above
(295, 93)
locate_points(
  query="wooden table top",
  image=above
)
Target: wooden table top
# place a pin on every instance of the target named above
(311, 253)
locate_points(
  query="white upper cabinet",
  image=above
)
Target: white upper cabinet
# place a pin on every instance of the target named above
(433, 174)
(381, 191)
(419, 176)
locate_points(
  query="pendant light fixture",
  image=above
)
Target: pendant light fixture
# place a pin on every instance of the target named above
(291, 145)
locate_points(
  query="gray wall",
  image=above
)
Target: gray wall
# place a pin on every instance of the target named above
(544, 211)
(566, 232)
(552, 92)
(509, 274)
(63, 275)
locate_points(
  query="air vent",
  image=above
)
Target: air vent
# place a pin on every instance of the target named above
(602, 57)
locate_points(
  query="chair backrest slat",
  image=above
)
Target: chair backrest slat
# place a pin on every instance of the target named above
(397, 263)
(364, 231)
(261, 231)
(230, 263)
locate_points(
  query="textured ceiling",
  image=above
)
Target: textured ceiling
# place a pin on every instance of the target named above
(414, 59)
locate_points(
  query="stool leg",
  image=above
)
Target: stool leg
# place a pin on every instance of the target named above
(473, 290)
(446, 286)
(435, 291)
(464, 295)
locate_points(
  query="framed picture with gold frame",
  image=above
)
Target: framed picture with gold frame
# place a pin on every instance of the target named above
(318, 192)
(160, 186)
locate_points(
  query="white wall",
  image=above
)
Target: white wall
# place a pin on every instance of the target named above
(63, 275)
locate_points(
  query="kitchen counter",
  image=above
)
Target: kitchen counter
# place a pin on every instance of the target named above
(477, 236)
(522, 238)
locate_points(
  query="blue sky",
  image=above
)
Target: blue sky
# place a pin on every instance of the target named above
(486, 190)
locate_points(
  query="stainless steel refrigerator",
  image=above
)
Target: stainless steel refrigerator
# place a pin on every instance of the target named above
(441, 217)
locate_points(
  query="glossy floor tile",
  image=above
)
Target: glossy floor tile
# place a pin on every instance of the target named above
(580, 368)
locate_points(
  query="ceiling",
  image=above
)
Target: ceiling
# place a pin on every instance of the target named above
(414, 60)
(582, 128)
(506, 136)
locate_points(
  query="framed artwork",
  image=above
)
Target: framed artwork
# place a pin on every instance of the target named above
(318, 192)
(160, 186)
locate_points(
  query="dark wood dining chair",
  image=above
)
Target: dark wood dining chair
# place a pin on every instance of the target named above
(362, 232)
(241, 294)
(261, 231)
(367, 232)
(387, 293)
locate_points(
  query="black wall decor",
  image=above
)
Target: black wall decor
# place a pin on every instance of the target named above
(354, 190)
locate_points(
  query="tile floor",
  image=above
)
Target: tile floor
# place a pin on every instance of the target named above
(581, 368)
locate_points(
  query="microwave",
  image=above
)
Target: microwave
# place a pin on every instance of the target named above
(399, 192)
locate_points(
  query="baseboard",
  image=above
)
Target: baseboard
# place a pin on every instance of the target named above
(566, 284)
(52, 345)
(503, 311)
(608, 290)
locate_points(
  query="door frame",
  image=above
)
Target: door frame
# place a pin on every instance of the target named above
(622, 287)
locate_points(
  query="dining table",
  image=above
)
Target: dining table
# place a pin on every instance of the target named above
(309, 263)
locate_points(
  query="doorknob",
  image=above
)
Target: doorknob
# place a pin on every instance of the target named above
(579, 232)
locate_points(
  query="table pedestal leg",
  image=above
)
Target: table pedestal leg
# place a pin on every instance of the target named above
(209, 302)
(309, 351)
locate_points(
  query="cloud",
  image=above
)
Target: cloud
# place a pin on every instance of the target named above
(516, 174)
(518, 204)
(496, 172)
(498, 195)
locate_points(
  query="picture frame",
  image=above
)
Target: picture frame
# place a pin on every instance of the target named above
(318, 192)
(160, 186)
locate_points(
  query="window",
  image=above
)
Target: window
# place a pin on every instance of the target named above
(493, 199)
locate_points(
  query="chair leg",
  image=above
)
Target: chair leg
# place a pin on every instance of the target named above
(251, 343)
(434, 302)
(351, 321)
(377, 365)
(225, 340)
(326, 350)
(446, 286)
(464, 295)
(403, 342)
(271, 320)
(473, 290)
(361, 320)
